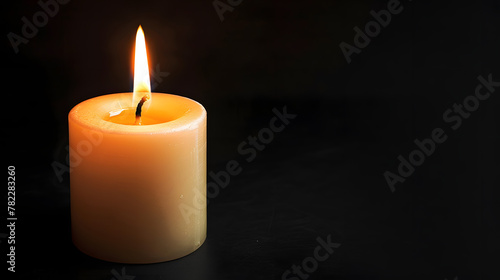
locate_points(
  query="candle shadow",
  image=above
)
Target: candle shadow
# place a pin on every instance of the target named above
(197, 265)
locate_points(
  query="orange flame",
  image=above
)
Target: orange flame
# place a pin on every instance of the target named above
(142, 85)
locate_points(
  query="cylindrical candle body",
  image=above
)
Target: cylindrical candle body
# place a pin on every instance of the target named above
(138, 192)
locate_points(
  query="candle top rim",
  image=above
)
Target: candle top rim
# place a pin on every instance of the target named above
(185, 113)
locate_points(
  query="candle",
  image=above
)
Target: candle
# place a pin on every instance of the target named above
(135, 159)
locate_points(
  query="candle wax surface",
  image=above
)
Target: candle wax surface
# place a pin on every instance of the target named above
(138, 192)
(128, 117)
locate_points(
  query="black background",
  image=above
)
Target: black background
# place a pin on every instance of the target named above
(323, 175)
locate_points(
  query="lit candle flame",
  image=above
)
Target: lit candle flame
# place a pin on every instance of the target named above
(142, 85)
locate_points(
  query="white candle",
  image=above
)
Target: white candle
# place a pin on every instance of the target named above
(129, 181)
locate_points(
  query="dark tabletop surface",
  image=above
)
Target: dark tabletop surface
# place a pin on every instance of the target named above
(321, 178)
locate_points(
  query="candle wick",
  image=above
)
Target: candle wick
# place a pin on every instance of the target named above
(138, 111)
